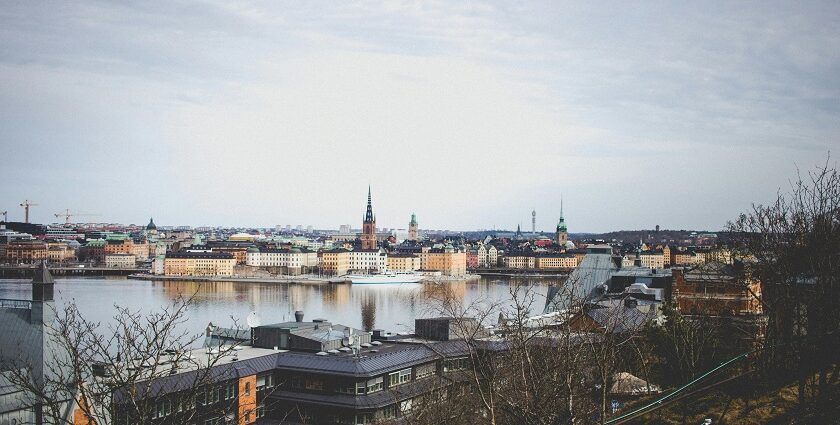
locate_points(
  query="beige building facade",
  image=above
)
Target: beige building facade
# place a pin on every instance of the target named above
(198, 264)
(550, 262)
(335, 262)
(403, 262)
(120, 261)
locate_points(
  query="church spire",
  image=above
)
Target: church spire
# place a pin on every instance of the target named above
(369, 213)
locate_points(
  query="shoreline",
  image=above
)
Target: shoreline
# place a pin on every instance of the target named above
(311, 280)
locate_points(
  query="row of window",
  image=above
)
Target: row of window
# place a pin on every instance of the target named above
(212, 395)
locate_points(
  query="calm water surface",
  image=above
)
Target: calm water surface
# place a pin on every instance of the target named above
(392, 307)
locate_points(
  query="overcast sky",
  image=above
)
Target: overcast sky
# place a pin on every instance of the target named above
(468, 114)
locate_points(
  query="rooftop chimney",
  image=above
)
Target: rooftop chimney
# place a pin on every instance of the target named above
(299, 316)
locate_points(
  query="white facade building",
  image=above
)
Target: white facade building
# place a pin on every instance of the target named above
(293, 259)
(120, 261)
(368, 261)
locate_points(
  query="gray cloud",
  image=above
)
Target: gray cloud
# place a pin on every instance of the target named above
(469, 114)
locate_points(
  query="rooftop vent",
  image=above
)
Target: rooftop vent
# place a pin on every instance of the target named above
(376, 343)
(366, 345)
(299, 316)
(321, 353)
(345, 349)
(333, 351)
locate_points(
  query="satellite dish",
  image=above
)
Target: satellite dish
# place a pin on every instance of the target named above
(253, 320)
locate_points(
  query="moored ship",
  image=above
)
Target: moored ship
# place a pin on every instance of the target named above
(390, 277)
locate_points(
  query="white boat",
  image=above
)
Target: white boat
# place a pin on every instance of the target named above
(390, 277)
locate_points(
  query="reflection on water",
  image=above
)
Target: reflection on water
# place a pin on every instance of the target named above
(392, 307)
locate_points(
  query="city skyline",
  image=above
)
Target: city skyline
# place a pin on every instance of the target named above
(469, 116)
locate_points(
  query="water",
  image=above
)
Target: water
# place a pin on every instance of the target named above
(392, 307)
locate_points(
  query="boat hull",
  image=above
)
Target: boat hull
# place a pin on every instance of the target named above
(377, 279)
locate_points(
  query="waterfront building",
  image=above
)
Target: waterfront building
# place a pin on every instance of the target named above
(488, 256)
(472, 258)
(58, 252)
(412, 228)
(199, 264)
(27, 251)
(120, 261)
(368, 261)
(93, 250)
(335, 262)
(448, 260)
(158, 264)
(519, 261)
(368, 236)
(123, 244)
(292, 261)
(403, 262)
(555, 261)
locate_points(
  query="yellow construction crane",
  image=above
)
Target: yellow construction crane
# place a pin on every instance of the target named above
(67, 214)
(26, 204)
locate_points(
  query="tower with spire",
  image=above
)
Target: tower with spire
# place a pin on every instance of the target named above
(412, 228)
(562, 231)
(368, 236)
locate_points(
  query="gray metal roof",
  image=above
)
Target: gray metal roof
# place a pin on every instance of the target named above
(594, 270)
(367, 363)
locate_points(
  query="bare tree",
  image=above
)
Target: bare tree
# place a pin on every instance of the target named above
(139, 368)
(534, 369)
(793, 246)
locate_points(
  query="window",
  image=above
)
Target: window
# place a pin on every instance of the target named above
(213, 396)
(389, 411)
(406, 406)
(164, 408)
(315, 384)
(374, 385)
(458, 363)
(400, 377)
(247, 388)
(426, 370)
(363, 418)
(247, 416)
(260, 410)
(230, 391)
(263, 382)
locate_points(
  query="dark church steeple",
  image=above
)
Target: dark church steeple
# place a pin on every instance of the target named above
(368, 236)
(369, 218)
